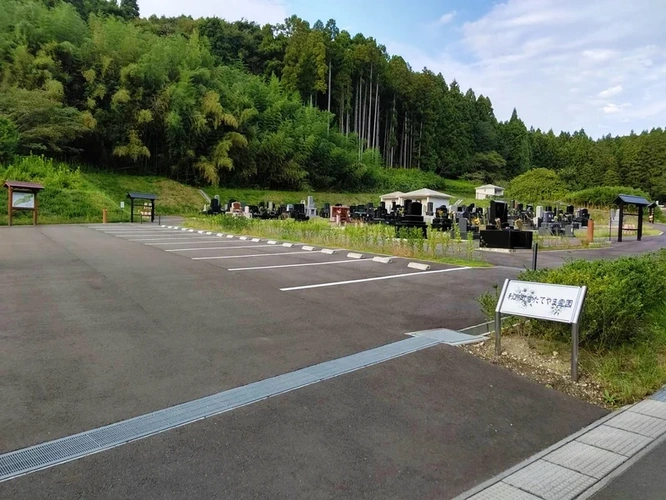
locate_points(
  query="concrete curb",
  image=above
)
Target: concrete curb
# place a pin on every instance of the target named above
(419, 266)
(383, 260)
(583, 463)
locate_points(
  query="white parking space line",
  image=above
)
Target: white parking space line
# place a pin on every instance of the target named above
(257, 268)
(364, 280)
(184, 242)
(139, 235)
(257, 255)
(179, 237)
(230, 247)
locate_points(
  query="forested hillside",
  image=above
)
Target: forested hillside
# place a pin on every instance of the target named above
(288, 106)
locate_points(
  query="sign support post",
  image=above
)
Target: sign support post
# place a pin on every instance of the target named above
(10, 212)
(546, 301)
(22, 196)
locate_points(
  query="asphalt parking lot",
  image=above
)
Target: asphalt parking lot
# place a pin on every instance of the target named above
(104, 323)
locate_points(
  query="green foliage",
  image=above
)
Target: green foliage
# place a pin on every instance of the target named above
(622, 294)
(536, 185)
(377, 238)
(72, 195)
(387, 180)
(288, 106)
(602, 196)
(632, 372)
(9, 138)
(43, 123)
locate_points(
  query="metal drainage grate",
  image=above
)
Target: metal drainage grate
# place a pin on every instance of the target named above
(42, 456)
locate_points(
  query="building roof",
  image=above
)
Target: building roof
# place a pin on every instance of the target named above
(428, 192)
(395, 194)
(142, 196)
(23, 185)
(639, 201)
(490, 186)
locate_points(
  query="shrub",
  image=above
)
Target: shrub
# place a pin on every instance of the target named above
(9, 138)
(400, 179)
(621, 294)
(535, 186)
(602, 196)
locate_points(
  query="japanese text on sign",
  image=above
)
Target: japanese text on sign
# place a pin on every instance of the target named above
(541, 300)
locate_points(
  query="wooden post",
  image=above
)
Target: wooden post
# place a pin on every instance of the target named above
(640, 223)
(104, 216)
(152, 210)
(34, 211)
(620, 223)
(590, 231)
(131, 209)
(9, 206)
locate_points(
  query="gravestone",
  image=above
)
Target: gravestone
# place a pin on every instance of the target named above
(462, 224)
(412, 218)
(539, 212)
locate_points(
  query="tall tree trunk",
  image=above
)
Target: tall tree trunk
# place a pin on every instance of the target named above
(404, 138)
(375, 135)
(420, 142)
(328, 125)
(369, 123)
(356, 104)
(385, 149)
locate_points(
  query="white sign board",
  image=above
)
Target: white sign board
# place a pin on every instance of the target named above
(122, 204)
(23, 200)
(541, 301)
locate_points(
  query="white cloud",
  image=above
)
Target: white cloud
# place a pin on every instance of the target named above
(559, 61)
(610, 92)
(446, 18)
(611, 108)
(260, 11)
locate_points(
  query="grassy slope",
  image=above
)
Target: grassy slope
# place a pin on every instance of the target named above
(457, 189)
(98, 191)
(72, 196)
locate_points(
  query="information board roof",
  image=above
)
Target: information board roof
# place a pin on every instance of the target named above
(142, 196)
(639, 201)
(23, 185)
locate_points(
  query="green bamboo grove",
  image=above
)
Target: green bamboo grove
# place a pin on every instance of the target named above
(286, 106)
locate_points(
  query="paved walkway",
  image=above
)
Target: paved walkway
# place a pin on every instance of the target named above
(582, 464)
(104, 324)
(644, 479)
(554, 258)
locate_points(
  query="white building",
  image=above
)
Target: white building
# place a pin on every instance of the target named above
(431, 200)
(489, 190)
(397, 197)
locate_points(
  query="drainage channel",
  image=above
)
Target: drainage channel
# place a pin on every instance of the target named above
(59, 451)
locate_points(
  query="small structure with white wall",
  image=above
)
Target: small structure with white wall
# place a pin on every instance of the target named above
(488, 191)
(431, 200)
(396, 197)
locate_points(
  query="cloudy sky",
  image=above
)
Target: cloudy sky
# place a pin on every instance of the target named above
(564, 64)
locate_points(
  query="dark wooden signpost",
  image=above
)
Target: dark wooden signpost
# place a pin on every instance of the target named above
(22, 196)
(640, 203)
(142, 196)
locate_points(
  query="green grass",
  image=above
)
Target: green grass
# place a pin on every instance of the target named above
(456, 188)
(374, 238)
(633, 371)
(72, 196)
(255, 196)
